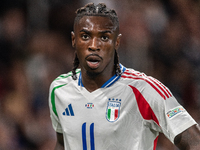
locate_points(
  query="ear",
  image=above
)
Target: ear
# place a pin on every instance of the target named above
(73, 39)
(117, 43)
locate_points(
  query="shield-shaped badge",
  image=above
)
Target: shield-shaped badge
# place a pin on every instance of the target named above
(113, 111)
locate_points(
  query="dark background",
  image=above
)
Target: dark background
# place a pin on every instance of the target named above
(159, 37)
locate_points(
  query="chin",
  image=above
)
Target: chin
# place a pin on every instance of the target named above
(93, 73)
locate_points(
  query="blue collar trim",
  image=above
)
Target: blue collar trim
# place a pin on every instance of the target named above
(108, 83)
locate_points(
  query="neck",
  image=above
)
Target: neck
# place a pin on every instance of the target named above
(94, 81)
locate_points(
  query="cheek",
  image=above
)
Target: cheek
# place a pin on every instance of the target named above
(80, 44)
(109, 54)
(81, 49)
(109, 49)
(80, 55)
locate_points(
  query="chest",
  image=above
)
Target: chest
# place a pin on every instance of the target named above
(106, 109)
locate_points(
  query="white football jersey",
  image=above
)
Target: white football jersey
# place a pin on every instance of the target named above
(126, 113)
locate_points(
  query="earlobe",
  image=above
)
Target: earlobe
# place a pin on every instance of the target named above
(118, 41)
(73, 39)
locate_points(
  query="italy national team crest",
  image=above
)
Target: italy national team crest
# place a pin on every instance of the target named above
(113, 111)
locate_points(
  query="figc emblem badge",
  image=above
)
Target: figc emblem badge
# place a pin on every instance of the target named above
(113, 111)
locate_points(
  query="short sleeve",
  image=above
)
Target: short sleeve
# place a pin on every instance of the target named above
(53, 114)
(171, 118)
(175, 120)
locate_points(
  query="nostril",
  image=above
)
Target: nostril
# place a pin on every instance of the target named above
(93, 49)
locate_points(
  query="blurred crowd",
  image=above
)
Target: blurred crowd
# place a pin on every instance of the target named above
(159, 37)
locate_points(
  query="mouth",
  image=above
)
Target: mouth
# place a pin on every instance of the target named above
(93, 61)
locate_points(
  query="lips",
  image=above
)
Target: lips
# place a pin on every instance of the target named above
(93, 61)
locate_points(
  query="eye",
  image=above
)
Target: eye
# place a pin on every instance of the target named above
(104, 38)
(85, 36)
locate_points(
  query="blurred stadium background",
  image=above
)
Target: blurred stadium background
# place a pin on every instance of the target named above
(160, 38)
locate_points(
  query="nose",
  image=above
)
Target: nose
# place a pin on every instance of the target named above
(94, 44)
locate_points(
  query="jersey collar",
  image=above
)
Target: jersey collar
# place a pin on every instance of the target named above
(108, 83)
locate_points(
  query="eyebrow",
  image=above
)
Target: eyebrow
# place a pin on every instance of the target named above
(88, 32)
(106, 31)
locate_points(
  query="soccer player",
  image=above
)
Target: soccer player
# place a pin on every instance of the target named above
(106, 106)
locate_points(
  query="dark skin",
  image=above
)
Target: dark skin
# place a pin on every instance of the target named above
(95, 39)
(60, 142)
(189, 139)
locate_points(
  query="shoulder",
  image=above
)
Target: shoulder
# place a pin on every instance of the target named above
(137, 78)
(63, 79)
(145, 84)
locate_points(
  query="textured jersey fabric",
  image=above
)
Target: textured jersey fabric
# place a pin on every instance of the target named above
(126, 113)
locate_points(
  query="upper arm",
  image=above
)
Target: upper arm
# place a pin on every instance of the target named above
(189, 139)
(60, 142)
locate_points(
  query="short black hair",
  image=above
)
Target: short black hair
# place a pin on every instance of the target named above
(97, 10)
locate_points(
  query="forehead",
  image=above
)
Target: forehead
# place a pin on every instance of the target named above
(95, 23)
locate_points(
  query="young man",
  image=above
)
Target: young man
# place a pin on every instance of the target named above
(105, 106)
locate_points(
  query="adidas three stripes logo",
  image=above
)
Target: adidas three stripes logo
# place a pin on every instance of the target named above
(69, 111)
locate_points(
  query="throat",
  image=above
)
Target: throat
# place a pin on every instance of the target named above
(95, 80)
(92, 85)
(92, 82)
